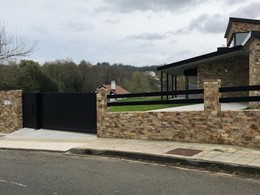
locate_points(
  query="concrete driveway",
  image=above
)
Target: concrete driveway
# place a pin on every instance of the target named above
(27, 133)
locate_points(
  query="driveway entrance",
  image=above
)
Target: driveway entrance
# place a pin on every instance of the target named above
(61, 111)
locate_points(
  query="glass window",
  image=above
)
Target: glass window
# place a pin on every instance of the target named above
(240, 37)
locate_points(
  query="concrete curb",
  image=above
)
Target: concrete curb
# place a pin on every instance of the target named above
(33, 150)
(172, 160)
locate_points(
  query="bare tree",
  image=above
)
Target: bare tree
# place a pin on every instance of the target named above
(12, 47)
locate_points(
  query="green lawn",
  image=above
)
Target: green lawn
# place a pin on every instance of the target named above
(141, 107)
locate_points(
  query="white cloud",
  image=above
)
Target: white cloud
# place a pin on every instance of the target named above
(250, 10)
(149, 36)
(112, 21)
(207, 23)
(137, 32)
(154, 5)
(77, 26)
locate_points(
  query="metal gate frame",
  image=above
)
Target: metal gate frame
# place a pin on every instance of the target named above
(61, 111)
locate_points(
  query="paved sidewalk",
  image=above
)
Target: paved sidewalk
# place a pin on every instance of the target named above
(209, 152)
(58, 141)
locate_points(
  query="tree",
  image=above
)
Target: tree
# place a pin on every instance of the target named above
(13, 77)
(12, 46)
(27, 76)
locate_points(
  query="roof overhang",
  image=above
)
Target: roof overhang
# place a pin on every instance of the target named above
(178, 68)
(239, 20)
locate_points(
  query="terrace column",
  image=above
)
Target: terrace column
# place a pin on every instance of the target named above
(254, 69)
(167, 85)
(101, 109)
(175, 84)
(211, 95)
(172, 85)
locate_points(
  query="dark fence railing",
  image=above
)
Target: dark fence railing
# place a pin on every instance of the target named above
(239, 89)
(157, 94)
(185, 92)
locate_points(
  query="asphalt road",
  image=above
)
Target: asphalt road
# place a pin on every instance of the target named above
(23, 172)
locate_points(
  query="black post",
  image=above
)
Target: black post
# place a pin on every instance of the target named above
(161, 84)
(175, 84)
(172, 85)
(186, 86)
(167, 85)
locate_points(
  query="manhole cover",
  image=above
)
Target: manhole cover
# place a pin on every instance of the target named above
(184, 152)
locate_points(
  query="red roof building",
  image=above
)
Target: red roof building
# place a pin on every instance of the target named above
(117, 91)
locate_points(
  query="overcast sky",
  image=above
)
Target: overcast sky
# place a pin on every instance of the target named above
(136, 32)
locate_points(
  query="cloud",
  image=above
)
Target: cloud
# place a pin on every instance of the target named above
(154, 5)
(151, 36)
(146, 45)
(206, 23)
(248, 11)
(112, 21)
(232, 2)
(77, 26)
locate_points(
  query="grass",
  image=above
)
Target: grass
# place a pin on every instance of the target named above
(141, 107)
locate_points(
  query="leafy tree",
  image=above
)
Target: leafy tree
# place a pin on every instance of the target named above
(12, 77)
(27, 76)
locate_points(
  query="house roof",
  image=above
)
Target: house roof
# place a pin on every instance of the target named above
(192, 62)
(119, 90)
(240, 20)
(178, 68)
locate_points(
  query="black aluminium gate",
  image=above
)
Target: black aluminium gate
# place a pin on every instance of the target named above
(61, 111)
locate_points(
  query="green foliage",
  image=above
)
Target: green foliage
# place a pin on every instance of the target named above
(26, 76)
(67, 76)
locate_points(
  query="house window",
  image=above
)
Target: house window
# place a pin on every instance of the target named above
(191, 81)
(238, 39)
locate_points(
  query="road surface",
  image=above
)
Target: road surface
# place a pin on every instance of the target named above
(23, 172)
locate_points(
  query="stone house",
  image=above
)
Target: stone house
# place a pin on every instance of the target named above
(237, 64)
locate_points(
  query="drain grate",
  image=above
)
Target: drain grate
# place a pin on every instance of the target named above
(184, 152)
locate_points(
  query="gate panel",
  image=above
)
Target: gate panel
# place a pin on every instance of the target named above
(60, 111)
(30, 110)
(69, 112)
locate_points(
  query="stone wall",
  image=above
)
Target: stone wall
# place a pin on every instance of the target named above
(217, 127)
(212, 125)
(254, 68)
(241, 27)
(10, 111)
(231, 71)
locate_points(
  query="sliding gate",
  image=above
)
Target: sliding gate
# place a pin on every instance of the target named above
(60, 111)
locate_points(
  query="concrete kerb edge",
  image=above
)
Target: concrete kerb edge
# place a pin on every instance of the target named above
(172, 160)
(32, 150)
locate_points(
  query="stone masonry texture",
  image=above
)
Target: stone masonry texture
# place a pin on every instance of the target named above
(211, 95)
(241, 27)
(240, 128)
(10, 111)
(254, 68)
(232, 72)
(212, 125)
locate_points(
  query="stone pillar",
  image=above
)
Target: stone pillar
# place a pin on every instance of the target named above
(211, 95)
(254, 69)
(11, 114)
(101, 108)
